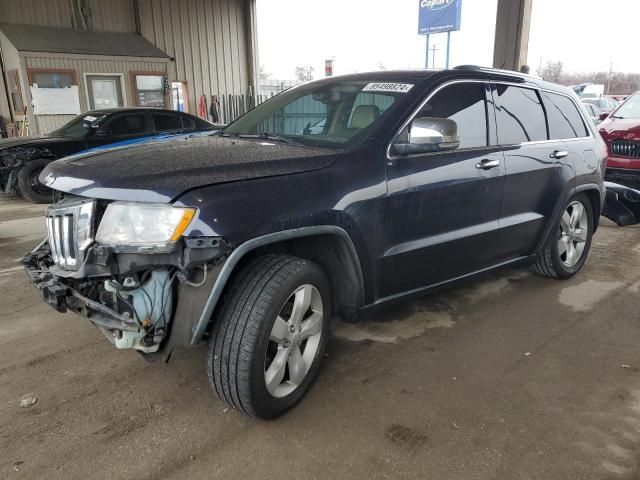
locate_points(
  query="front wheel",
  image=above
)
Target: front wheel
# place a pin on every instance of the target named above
(29, 186)
(568, 245)
(268, 340)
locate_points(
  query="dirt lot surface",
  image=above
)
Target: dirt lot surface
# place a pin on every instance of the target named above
(510, 377)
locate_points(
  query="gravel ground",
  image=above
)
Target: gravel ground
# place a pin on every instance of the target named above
(509, 377)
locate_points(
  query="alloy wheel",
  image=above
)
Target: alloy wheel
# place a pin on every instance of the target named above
(294, 341)
(574, 229)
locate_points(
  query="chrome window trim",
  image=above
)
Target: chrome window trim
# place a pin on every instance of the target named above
(499, 145)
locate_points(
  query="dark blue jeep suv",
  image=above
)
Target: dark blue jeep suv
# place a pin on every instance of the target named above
(254, 237)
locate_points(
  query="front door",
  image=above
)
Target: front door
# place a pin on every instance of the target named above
(442, 210)
(104, 91)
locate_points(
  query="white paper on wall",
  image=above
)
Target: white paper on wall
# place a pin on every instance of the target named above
(55, 101)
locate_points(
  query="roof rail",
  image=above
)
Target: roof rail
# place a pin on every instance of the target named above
(467, 67)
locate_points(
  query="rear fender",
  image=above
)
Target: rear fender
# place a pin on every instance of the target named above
(592, 190)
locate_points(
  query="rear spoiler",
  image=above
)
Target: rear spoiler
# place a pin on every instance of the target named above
(622, 204)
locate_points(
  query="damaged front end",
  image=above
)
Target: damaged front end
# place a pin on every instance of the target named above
(140, 295)
(13, 158)
(622, 204)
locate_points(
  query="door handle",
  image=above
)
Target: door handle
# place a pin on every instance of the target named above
(487, 164)
(558, 154)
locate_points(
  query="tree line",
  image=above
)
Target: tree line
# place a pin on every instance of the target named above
(616, 83)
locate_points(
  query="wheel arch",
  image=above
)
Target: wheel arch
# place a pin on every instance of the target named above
(341, 264)
(593, 193)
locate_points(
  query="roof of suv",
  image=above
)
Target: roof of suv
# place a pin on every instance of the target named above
(461, 71)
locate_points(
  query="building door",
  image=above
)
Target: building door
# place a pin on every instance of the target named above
(179, 96)
(104, 91)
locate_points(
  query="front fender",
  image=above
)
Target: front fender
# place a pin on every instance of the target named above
(231, 263)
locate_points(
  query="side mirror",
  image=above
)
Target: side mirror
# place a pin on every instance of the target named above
(603, 116)
(430, 134)
(103, 133)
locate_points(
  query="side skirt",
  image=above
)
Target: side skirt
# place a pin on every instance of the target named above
(446, 284)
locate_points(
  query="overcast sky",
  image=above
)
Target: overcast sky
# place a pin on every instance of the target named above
(362, 34)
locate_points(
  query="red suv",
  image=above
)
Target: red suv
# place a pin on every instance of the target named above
(621, 132)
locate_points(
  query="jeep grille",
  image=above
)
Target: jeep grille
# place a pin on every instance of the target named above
(70, 232)
(626, 148)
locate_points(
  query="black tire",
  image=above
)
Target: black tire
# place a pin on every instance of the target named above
(549, 262)
(236, 359)
(29, 186)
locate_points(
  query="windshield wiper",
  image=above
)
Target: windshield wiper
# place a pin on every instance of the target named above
(268, 136)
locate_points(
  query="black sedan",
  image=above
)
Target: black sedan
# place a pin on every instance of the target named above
(22, 159)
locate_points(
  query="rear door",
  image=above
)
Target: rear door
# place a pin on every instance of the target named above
(537, 168)
(442, 209)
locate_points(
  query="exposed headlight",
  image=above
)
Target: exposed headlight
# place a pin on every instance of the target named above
(139, 225)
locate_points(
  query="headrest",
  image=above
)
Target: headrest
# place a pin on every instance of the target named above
(364, 115)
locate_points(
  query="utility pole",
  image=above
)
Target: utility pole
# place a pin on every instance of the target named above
(610, 75)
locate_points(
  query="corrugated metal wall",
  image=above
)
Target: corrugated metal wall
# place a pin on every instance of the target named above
(88, 65)
(54, 13)
(207, 38)
(114, 15)
(213, 41)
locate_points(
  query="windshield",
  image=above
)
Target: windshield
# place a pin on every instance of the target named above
(79, 127)
(629, 109)
(327, 114)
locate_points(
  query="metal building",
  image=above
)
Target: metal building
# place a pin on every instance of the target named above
(111, 53)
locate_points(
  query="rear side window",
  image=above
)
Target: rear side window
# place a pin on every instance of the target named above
(519, 114)
(465, 104)
(166, 122)
(202, 125)
(188, 123)
(565, 120)
(127, 125)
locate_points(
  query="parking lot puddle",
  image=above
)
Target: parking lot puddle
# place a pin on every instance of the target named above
(393, 331)
(586, 295)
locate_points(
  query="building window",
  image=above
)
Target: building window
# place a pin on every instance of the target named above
(52, 78)
(149, 90)
(15, 91)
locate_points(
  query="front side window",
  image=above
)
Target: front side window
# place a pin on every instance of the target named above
(127, 125)
(565, 120)
(519, 114)
(332, 114)
(465, 104)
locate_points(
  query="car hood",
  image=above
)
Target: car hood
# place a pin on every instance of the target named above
(160, 172)
(7, 143)
(620, 128)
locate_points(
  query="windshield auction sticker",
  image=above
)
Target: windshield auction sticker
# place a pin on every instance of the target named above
(388, 87)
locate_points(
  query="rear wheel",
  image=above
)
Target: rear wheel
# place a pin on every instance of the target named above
(268, 341)
(28, 184)
(568, 246)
